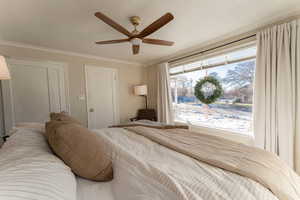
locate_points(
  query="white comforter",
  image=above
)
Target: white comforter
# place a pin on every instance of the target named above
(92, 190)
(145, 170)
(29, 170)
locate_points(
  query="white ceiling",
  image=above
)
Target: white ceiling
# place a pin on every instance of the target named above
(70, 25)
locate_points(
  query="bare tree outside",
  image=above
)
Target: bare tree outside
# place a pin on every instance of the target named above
(241, 76)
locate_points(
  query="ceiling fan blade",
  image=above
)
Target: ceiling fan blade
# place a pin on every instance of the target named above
(113, 24)
(112, 41)
(135, 49)
(157, 42)
(156, 25)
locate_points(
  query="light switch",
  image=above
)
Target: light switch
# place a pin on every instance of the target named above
(81, 97)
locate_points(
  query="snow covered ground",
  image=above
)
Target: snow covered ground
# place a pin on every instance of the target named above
(232, 119)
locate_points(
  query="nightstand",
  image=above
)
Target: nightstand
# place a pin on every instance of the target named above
(148, 114)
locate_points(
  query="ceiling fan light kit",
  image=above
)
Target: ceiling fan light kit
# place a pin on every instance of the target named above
(135, 41)
(135, 37)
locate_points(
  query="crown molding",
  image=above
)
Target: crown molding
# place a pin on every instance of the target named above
(69, 53)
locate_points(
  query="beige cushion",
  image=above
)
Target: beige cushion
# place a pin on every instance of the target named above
(82, 150)
(51, 126)
(63, 116)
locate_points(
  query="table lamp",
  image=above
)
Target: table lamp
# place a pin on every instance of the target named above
(4, 73)
(141, 90)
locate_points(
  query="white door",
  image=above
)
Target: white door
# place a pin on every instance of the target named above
(35, 90)
(102, 106)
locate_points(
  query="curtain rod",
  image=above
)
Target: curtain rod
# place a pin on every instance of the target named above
(210, 49)
(213, 65)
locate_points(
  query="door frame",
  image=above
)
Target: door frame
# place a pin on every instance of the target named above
(115, 92)
(8, 109)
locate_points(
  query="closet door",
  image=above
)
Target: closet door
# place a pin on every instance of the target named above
(102, 101)
(30, 93)
(35, 90)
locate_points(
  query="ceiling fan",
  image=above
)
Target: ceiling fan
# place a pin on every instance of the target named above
(135, 37)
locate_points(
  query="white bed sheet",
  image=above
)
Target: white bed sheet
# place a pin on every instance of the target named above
(92, 190)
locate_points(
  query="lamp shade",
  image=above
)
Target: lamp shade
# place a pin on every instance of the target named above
(140, 90)
(4, 73)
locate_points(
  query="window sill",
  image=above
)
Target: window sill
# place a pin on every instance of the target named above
(245, 139)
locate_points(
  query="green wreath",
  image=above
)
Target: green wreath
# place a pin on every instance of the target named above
(216, 93)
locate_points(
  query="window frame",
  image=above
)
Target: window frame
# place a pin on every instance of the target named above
(229, 134)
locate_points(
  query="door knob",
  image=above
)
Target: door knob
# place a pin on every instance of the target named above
(91, 110)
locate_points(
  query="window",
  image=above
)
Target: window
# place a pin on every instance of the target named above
(233, 111)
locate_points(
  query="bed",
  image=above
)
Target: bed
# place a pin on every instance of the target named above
(143, 169)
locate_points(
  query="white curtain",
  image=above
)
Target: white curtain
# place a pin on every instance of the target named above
(277, 92)
(164, 99)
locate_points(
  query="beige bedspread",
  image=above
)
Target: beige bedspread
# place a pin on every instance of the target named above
(259, 165)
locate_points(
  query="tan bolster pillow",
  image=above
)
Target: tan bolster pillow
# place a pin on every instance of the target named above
(51, 126)
(82, 150)
(63, 116)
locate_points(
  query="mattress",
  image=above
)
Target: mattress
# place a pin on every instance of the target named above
(92, 190)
